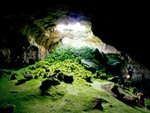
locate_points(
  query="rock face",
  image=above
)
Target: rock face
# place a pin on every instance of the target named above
(17, 53)
(29, 38)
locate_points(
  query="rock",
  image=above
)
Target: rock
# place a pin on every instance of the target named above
(36, 77)
(115, 90)
(47, 83)
(109, 49)
(60, 76)
(28, 76)
(68, 78)
(21, 81)
(113, 79)
(98, 103)
(129, 100)
(53, 75)
(57, 71)
(13, 77)
(140, 97)
(45, 75)
(47, 69)
(100, 56)
(88, 78)
(89, 65)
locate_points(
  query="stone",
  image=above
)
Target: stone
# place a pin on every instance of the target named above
(88, 78)
(98, 103)
(28, 76)
(60, 76)
(13, 77)
(100, 56)
(68, 78)
(36, 77)
(21, 81)
(89, 65)
(46, 84)
(113, 79)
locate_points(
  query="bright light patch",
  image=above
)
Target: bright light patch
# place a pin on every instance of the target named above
(77, 43)
(73, 27)
(128, 76)
(75, 34)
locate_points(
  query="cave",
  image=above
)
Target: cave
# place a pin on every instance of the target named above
(74, 56)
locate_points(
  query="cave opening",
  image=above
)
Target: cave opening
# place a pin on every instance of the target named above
(66, 62)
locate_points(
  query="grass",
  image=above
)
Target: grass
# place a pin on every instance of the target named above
(64, 98)
(75, 97)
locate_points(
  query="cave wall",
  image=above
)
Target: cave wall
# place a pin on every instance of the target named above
(122, 25)
(15, 50)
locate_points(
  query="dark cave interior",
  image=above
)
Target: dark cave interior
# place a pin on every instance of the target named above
(123, 25)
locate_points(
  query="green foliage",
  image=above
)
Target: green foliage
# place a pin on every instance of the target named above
(109, 75)
(63, 53)
(132, 90)
(114, 57)
(75, 97)
(147, 103)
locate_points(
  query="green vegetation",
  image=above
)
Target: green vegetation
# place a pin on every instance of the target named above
(22, 94)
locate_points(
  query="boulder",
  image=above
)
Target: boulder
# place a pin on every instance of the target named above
(68, 78)
(89, 65)
(100, 56)
(88, 78)
(46, 84)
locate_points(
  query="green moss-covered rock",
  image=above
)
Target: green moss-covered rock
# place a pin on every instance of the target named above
(46, 84)
(68, 78)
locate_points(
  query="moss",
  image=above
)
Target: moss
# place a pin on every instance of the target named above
(147, 104)
(63, 97)
(56, 92)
